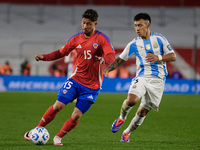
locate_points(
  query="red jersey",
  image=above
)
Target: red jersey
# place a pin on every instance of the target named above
(88, 71)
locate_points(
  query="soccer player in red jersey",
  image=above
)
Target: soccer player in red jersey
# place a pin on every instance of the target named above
(93, 51)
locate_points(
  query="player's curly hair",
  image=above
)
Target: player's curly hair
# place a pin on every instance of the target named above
(90, 14)
(144, 16)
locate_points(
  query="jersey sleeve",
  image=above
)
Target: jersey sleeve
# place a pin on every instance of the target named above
(110, 58)
(106, 45)
(108, 50)
(64, 51)
(128, 51)
(69, 46)
(166, 46)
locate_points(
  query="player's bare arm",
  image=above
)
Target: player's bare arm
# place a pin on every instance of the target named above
(154, 58)
(113, 66)
(39, 57)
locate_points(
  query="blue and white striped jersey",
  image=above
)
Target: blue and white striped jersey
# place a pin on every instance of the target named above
(157, 44)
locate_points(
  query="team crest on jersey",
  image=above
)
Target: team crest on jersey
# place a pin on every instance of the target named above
(155, 45)
(64, 91)
(148, 46)
(95, 45)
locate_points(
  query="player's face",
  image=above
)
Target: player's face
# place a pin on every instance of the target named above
(142, 28)
(88, 27)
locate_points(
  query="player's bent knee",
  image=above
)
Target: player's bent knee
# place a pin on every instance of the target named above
(142, 112)
(58, 106)
(76, 115)
(132, 100)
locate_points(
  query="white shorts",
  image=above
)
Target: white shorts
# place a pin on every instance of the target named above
(150, 89)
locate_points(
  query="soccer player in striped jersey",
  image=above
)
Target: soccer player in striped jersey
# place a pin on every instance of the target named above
(152, 51)
(93, 50)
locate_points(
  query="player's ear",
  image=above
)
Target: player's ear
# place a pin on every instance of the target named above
(148, 25)
(95, 23)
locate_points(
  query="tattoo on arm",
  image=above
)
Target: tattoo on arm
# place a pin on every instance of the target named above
(115, 64)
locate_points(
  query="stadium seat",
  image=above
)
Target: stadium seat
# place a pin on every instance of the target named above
(191, 3)
(49, 2)
(173, 3)
(106, 2)
(74, 2)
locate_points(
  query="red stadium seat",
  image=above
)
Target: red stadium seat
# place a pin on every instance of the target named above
(48, 2)
(74, 2)
(156, 3)
(172, 3)
(192, 3)
(106, 2)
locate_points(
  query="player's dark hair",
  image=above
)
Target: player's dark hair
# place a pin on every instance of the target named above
(90, 14)
(144, 16)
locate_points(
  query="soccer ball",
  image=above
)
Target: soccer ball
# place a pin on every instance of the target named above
(39, 135)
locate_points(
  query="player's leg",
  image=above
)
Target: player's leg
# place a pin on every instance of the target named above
(84, 101)
(136, 90)
(82, 106)
(150, 100)
(70, 123)
(65, 96)
(127, 105)
(48, 116)
(135, 123)
(51, 113)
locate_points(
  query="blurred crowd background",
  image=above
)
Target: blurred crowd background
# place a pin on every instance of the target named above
(42, 26)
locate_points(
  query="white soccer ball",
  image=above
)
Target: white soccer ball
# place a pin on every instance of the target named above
(39, 135)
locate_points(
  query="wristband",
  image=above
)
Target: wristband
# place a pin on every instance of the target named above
(159, 57)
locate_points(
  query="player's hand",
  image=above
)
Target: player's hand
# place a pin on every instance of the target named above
(38, 57)
(101, 59)
(151, 58)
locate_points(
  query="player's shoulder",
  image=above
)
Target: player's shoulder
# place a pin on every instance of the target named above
(133, 41)
(75, 36)
(102, 36)
(158, 35)
(136, 39)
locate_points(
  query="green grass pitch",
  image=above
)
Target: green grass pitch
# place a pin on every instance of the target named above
(175, 126)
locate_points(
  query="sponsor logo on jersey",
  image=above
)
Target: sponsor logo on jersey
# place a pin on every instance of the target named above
(95, 45)
(90, 97)
(79, 46)
(64, 91)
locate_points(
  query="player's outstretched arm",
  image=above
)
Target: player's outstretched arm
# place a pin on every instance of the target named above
(113, 66)
(51, 56)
